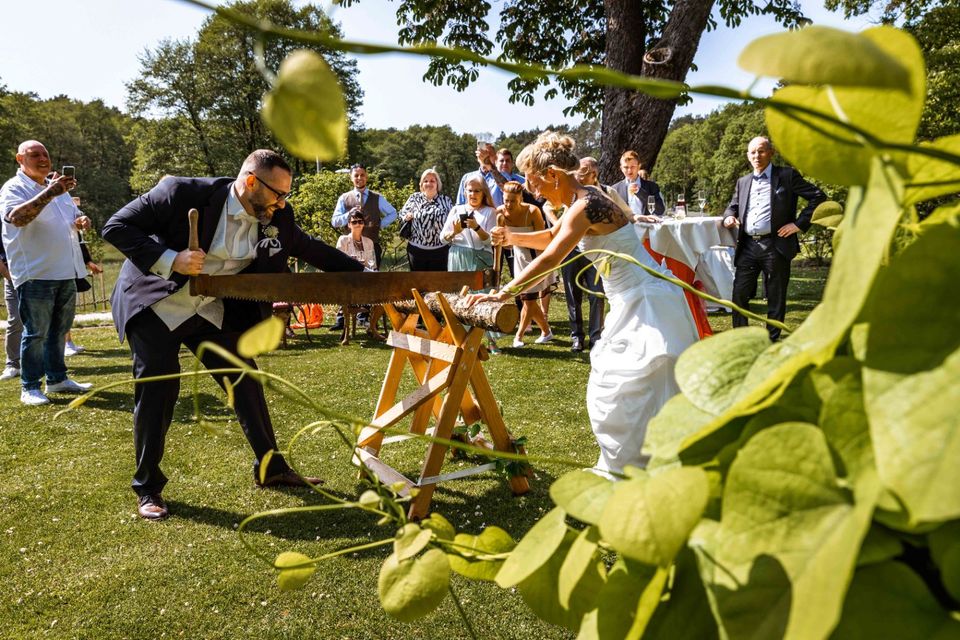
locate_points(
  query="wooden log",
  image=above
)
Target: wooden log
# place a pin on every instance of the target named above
(492, 316)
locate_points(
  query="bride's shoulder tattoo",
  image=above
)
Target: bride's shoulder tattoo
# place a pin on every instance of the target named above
(599, 208)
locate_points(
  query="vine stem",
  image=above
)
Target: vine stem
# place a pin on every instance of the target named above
(463, 614)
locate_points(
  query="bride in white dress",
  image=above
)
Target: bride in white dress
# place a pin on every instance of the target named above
(649, 323)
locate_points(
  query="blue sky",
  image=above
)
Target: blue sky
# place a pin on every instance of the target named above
(89, 48)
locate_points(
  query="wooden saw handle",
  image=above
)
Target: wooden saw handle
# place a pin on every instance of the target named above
(497, 253)
(194, 216)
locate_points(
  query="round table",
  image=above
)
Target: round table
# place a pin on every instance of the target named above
(685, 245)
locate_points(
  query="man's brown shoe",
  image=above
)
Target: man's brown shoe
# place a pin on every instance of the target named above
(287, 479)
(152, 507)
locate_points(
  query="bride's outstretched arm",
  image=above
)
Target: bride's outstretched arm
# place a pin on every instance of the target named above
(572, 227)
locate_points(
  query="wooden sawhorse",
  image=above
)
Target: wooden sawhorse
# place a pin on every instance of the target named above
(447, 362)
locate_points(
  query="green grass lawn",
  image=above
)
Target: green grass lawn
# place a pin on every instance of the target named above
(77, 562)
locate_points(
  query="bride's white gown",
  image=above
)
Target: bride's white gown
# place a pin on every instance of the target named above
(632, 366)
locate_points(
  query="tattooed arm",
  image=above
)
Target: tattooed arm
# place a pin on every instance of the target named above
(23, 214)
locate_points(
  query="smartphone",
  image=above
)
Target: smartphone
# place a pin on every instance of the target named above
(69, 170)
(464, 217)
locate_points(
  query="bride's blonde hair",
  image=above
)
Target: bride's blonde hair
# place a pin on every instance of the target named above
(550, 149)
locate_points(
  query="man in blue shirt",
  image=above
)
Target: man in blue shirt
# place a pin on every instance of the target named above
(377, 212)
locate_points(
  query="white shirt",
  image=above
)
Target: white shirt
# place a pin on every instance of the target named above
(633, 201)
(233, 248)
(487, 219)
(47, 248)
(758, 207)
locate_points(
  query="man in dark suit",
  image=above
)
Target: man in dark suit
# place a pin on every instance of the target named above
(764, 207)
(634, 190)
(245, 226)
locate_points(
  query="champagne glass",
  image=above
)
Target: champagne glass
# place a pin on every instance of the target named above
(701, 200)
(651, 204)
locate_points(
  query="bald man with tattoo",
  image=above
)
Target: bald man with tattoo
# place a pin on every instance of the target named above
(40, 224)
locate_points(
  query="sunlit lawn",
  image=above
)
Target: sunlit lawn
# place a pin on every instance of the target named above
(78, 563)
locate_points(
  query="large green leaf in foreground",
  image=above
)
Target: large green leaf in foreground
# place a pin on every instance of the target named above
(888, 114)
(912, 375)
(306, 110)
(809, 56)
(780, 561)
(888, 600)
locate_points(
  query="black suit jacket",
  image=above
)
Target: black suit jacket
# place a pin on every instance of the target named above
(786, 185)
(157, 221)
(647, 188)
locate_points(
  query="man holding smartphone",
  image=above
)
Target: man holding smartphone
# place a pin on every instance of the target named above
(40, 222)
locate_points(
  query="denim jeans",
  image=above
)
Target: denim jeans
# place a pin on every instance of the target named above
(14, 327)
(46, 310)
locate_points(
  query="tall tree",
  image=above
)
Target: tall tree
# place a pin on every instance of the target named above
(656, 38)
(212, 88)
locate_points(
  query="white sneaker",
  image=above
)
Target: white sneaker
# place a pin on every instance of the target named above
(70, 349)
(33, 397)
(69, 386)
(9, 373)
(545, 338)
(518, 343)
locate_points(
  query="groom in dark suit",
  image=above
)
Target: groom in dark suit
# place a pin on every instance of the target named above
(246, 226)
(764, 207)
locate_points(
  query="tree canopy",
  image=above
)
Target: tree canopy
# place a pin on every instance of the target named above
(560, 33)
(209, 90)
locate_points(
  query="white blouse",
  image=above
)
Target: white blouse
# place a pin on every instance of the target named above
(487, 219)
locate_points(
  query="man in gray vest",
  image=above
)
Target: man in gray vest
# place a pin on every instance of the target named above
(376, 211)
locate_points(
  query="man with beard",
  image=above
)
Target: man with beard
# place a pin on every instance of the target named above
(245, 225)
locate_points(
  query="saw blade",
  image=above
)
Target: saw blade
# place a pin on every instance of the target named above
(353, 288)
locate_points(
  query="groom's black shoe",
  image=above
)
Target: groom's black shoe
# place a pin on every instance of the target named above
(577, 345)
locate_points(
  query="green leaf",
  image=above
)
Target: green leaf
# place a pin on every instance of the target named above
(410, 589)
(582, 494)
(649, 521)
(932, 177)
(823, 55)
(677, 420)
(828, 214)
(581, 558)
(534, 549)
(947, 214)
(941, 539)
(889, 600)
(539, 590)
(491, 541)
(911, 375)
(306, 110)
(685, 613)
(616, 603)
(842, 415)
(950, 571)
(789, 537)
(261, 338)
(880, 545)
(291, 579)
(890, 115)
(711, 371)
(440, 526)
(411, 540)
(649, 601)
(873, 215)
(369, 498)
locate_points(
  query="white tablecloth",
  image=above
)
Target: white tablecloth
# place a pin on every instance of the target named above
(701, 243)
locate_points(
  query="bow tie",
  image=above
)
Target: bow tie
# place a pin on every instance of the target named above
(759, 176)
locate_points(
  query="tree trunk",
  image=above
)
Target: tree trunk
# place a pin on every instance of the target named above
(492, 316)
(633, 120)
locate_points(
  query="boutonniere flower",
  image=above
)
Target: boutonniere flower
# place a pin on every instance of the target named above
(271, 231)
